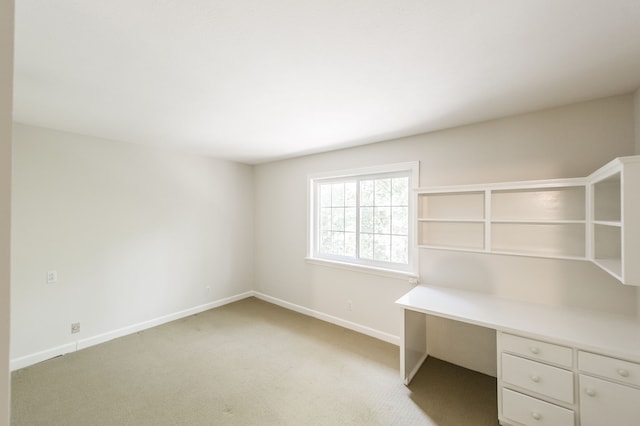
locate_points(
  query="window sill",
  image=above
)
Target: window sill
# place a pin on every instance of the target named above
(401, 275)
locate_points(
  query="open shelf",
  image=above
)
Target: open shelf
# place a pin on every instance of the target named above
(607, 223)
(541, 218)
(615, 218)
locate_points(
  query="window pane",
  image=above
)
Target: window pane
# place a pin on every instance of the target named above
(382, 220)
(350, 194)
(337, 243)
(383, 192)
(337, 219)
(350, 219)
(399, 249)
(366, 193)
(400, 191)
(325, 242)
(366, 246)
(325, 219)
(350, 244)
(325, 195)
(337, 195)
(400, 220)
(366, 219)
(382, 248)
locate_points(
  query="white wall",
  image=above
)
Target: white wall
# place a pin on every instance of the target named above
(571, 141)
(6, 106)
(135, 234)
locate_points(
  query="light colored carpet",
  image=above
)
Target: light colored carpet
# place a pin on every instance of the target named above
(247, 363)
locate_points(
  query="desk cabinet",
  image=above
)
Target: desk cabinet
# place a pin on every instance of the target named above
(609, 390)
(536, 385)
(607, 403)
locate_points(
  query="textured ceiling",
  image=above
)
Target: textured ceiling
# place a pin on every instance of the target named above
(257, 80)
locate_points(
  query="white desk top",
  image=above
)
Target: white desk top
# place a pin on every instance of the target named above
(589, 330)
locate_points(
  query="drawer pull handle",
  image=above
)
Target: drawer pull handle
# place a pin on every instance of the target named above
(590, 392)
(534, 378)
(534, 350)
(622, 372)
(536, 415)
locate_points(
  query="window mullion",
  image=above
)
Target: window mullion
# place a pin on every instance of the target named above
(317, 217)
(358, 219)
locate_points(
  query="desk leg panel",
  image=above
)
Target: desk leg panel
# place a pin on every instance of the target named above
(413, 347)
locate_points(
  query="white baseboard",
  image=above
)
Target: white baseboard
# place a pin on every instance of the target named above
(389, 338)
(31, 359)
(27, 360)
(105, 337)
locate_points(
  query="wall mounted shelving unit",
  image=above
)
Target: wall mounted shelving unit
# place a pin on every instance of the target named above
(595, 218)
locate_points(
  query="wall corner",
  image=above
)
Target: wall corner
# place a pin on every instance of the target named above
(636, 119)
(6, 136)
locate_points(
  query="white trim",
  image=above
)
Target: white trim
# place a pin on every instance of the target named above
(385, 168)
(506, 186)
(105, 337)
(380, 335)
(27, 360)
(391, 273)
(37, 357)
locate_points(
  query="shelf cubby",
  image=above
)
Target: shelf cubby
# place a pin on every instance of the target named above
(607, 246)
(464, 235)
(452, 205)
(565, 240)
(607, 199)
(537, 204)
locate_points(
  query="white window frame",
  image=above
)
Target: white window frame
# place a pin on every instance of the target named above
(385, 268)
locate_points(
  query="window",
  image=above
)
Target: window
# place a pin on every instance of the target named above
(364, 217)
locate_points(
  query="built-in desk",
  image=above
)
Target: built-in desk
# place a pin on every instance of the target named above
(537, 336)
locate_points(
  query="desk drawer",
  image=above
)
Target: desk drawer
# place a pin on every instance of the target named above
(611, 368)
(536, 349)
(531, 411)
(544, 379)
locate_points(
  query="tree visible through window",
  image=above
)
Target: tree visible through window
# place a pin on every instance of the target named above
(364, 219)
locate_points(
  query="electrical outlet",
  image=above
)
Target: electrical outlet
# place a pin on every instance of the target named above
(75, 328)
(349, 305)
(52, 277)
